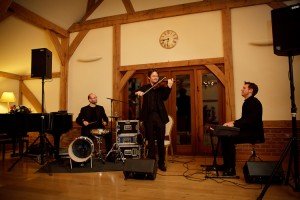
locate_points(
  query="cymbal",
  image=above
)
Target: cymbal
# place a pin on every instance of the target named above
(114, 116)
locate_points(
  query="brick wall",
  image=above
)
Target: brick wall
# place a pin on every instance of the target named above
(277, 135)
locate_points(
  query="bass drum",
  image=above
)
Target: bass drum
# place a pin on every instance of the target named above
(81, 149)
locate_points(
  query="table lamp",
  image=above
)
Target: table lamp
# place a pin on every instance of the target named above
(8, 97)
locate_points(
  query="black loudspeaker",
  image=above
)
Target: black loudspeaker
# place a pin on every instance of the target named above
(260, 172)
(286, 30)
(140, 169)
(41, 63)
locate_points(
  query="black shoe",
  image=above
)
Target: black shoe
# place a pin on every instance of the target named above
(229, 172)
(162, 167)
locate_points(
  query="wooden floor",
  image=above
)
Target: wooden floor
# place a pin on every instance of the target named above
(184, 179)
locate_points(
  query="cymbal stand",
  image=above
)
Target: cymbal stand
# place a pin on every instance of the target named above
(116, 149)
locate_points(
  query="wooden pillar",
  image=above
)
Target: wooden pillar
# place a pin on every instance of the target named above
(116, 67)
(63, 100)
(227, 46)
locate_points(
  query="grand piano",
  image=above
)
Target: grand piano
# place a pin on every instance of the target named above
(18, 125)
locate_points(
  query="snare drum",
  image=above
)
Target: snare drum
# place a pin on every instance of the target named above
(99, 132)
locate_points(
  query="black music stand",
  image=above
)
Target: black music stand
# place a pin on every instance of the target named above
(42, 136)
(291, 146)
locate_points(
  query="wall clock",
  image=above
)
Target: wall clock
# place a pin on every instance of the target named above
(168, 39)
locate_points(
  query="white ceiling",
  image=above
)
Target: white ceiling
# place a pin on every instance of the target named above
(66, 12)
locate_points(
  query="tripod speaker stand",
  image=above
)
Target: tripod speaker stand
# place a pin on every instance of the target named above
(44, 150)
(290, 147)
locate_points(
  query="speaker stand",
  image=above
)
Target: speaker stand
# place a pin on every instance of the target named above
(42, 137)
(290, 147)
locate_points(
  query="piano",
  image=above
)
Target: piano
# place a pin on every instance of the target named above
(55, 123)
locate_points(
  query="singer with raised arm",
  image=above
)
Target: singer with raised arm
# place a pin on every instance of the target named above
(154, 114)
(91, 117)
(250, 124)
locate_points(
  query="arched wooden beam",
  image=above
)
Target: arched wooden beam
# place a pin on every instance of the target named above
(76, 42)
(125, 79)
(217, 72)
(31, 98)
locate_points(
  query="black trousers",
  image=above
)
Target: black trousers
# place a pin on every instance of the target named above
(228, 147)
(155, 130)
(228, 151)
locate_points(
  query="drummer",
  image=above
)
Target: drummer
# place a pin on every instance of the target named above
(92, 117)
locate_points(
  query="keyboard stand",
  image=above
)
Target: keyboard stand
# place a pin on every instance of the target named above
(215, 167)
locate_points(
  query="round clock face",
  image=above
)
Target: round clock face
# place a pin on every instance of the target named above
(168, 39)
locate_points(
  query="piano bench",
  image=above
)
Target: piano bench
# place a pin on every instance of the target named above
(4, 140)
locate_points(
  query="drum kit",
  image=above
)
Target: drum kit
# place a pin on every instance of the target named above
(83, 148)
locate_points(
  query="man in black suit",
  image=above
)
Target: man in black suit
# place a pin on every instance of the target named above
(91, 117)
(154, 115)
(250, 124)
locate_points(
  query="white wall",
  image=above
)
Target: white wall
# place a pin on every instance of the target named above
(16, 41)
(259, 64)
(199, 36)
(96, 76)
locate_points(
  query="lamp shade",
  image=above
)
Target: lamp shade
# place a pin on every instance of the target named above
(8, 97)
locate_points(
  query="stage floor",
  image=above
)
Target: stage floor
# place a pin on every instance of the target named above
(184, 179)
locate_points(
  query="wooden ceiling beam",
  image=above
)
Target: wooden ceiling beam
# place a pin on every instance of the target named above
(4, 5)
(36, 20)
(91, 7)
(171, 11)
(57, 45)
(276, 5)
(128, 6)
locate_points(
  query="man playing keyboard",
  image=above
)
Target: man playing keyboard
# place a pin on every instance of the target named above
(250, 124)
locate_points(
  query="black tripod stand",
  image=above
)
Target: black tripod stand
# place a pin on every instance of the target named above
(42, 136)
(290, 147)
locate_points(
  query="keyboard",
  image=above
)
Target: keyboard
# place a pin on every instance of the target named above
(220, 131)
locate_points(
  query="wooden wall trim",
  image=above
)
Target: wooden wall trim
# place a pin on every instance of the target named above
(218, 73)
(37, 20)
(28, 77)
(170, 11)
(10, 75)
(183, 63)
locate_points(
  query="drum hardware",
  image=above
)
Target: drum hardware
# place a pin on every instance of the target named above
(117, 152)
(98, 133)
(80, 150)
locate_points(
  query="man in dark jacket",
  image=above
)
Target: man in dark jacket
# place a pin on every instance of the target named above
(154, 115)
(250, 124)
(91, 117)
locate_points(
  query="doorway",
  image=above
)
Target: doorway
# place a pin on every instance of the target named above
(196, 100)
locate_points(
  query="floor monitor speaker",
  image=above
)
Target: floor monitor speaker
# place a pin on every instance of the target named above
(260, 172)
(140, 169)
(41, 63)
